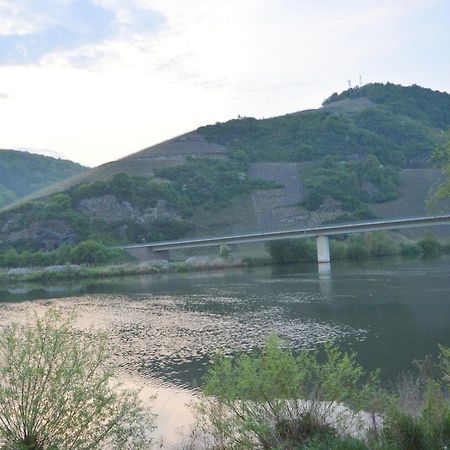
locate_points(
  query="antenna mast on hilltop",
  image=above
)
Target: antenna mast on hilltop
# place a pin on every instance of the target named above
(349, 84)
(360, 81)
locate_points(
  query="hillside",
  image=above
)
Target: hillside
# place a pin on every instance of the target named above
(358, 156)
(400, 131)
(22, 173)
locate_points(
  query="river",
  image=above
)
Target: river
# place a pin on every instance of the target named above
(391, 311)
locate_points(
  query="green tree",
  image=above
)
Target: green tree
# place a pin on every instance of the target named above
(57, 391)
(275, 400)
(292, 250)
(89, 252)
(357, 248)
(380, 244)
(224, 251)
(431, 248)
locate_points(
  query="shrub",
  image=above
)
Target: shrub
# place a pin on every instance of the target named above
(403, 432)
(89, 252)
(426, 425)
(357, 248)
(335, 443)
(446, 248)
(292, 250)
(224, 251)
(410, 250)
(380, 244)
(56, 391)
(431, 248)
(338, 249)
(274, 399)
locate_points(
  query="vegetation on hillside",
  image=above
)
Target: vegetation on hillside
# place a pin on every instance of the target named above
(199, 184)
(22, 173)
(352, 183)
(416, 102)
(210, 183)
(401, 129)
(441, 158)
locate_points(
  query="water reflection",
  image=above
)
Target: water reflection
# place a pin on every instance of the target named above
(391, 311)
(325, 281)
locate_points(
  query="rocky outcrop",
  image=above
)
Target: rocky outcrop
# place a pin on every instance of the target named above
(48, 233)
(108, 209)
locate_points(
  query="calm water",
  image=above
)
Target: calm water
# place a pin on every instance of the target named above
(390, 311)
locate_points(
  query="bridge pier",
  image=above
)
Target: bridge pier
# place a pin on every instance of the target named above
(323, 250)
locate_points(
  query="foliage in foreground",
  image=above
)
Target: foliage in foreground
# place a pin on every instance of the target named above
(57, 391)
(277, 400)
(418, 418)
(313, 401)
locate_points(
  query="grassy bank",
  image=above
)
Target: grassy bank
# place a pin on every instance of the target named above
(149, 268)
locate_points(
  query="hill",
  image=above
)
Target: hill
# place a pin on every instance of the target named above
(22, 173)
(355, 157)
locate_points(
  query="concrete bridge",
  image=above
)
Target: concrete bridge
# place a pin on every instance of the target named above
(160, 250)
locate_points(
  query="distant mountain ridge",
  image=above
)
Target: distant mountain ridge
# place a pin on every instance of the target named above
(358, 156)
(22, 173)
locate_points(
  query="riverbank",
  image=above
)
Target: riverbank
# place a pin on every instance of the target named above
(281, 253)
(80, 272)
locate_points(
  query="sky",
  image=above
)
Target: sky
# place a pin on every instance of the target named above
(95, 80)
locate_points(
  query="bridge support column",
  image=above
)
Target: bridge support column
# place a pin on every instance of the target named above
(323, 249)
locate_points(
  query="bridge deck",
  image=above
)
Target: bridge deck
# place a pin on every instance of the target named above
(325, 230)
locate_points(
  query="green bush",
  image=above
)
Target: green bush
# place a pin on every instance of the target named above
(338, 249)
(351, 183)
(427, 430)
(446, 248)
(10, 258)
(427, 425)
(357, 248)
(335, 443)
(403, 432)
(273, 399)
(89, 252)
(410, 250)
(431, 248)
(57, 391)
(224, 251)
(292, 250)
(379, 244)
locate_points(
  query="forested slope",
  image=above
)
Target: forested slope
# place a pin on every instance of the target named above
(22, 173)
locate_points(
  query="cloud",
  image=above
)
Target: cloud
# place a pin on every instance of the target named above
(61, 26)
(4, 96)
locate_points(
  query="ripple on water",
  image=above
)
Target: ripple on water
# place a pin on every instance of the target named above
(173, 337)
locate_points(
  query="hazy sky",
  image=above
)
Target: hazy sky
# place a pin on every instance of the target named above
(94, 80)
